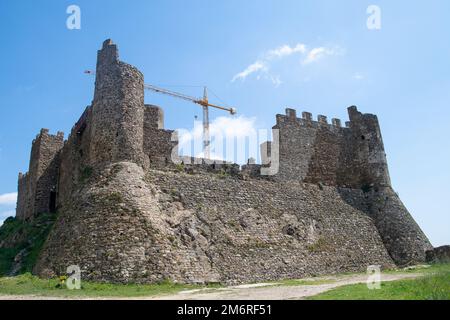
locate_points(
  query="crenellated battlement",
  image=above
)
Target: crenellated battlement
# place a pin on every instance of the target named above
(290, 118)
(319, 151)
(44, 134)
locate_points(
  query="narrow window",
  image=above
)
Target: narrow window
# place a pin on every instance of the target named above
(52, 204)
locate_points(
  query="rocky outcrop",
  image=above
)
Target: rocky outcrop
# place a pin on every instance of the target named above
(438, 255)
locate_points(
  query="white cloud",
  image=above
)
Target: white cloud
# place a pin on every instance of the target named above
(318, 53)
(258, 65)
(225, 126)
(8, 198)
(261, 67)
(276, 80)
(263, 64)
(286, 51)
(358, 76)
(226, 134)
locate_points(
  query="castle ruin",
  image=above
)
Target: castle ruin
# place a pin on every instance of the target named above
(126, 213)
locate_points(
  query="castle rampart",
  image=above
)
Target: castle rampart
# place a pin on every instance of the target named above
(128, 213)
(319, 152)
(158, 144)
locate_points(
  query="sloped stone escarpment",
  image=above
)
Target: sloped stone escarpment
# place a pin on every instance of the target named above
(113, 229)
(402, 236)
(125, 225)
(264, 230)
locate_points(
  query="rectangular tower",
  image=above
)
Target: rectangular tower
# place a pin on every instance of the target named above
(37, 188)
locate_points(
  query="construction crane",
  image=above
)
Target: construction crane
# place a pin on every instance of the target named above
(204, 103)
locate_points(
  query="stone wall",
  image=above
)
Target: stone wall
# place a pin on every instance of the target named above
(37, 188)
(158, 144)
(76, 164)
(438, 255)
(403, 238)
(129, 225)
(23, 208)
(319, 152)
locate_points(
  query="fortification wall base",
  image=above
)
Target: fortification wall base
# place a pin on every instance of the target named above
(402, 236)
(136, 226)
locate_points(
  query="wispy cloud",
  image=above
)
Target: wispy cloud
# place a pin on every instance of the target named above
(358, 76)
(262, 66)
(254, 67)
(224, 126)
(8, 198)
(286, 50)
(226, 134)
(318, 53)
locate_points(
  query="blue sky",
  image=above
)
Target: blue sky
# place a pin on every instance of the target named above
(327, 60)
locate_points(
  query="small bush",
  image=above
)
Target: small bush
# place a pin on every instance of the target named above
(23, 237)
(223, 174)
(179, 167)
(319, 246)
(115, 197)
(85, 174)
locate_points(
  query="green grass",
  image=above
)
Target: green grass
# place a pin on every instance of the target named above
(434, 284)
(26, 284)
(28, 237)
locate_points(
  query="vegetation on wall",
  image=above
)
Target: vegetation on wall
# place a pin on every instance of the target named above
(21, 242)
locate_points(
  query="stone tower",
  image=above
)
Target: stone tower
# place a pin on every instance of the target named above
(319, 152)
(37, 188)
(117, 110)
(350, 157)
(369, 154)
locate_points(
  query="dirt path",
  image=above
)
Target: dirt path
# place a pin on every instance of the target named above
(261, 291)
(278, 292)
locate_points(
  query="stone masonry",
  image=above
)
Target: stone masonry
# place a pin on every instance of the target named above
(127, 213)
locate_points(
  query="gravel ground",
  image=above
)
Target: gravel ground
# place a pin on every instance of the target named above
(260, 291)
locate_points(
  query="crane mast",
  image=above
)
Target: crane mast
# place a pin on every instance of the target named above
(206, 135)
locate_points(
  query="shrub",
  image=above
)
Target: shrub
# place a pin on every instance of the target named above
(85, 174)
(320, 245)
